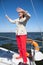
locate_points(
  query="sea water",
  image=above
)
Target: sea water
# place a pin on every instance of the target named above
(6, 38)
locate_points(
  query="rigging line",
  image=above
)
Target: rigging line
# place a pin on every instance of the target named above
(35, 13)
(38, 19)
(5, 12)
(3, 7)
(15, 39)
(33, 8)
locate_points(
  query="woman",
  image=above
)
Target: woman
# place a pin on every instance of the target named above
(21, 33)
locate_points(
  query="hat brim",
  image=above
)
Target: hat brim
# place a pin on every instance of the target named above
(20, 12)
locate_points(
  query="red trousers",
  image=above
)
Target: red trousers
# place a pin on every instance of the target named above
(21, 42)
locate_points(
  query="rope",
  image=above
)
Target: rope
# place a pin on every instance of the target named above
(7, 37)
(38, 19)
(5, 12)
(3, 7)
(15, 39)
(37, 24)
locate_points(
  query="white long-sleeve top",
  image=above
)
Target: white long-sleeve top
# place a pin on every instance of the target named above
(21, 23)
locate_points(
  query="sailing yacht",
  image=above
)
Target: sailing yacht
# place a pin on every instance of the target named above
(8, 57)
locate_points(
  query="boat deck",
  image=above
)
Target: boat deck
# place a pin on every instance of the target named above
(8, 57)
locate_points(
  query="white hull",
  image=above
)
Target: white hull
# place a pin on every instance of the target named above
(9, 57)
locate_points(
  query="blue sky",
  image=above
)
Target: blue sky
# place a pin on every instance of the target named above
(35, 24)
